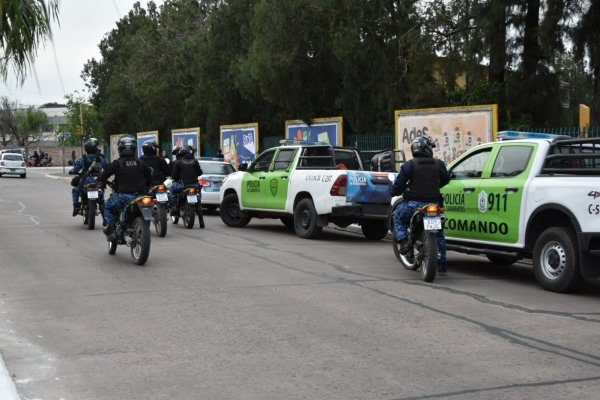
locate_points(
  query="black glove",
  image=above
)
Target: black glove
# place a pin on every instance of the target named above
(71, 172)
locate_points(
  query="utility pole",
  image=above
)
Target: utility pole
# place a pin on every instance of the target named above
(81, 126)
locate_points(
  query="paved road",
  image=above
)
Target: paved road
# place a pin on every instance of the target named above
(257, 313)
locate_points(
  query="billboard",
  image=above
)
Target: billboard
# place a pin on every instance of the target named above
(143, 137)
(189, 136)
(113, 148)
(454, 130)
(326, 130)
(239, 143)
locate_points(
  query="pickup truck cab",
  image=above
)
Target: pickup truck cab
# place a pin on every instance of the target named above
(308, 185)
(534, 196)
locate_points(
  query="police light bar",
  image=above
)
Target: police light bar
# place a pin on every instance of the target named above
(513, 135)
(291, 142)
(210, 158)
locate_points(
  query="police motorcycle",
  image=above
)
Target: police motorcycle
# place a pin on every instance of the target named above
(424, 226)
(91, 195)
(132, 227)
(160, 209)
(188, 202)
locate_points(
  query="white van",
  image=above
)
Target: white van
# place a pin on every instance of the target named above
(13, 164)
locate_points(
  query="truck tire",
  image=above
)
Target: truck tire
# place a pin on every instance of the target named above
(305, 220)
(374, 229)
(555, 260)
(231, 214)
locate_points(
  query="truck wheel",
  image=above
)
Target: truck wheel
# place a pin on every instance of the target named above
(231, 214)
(305, 220)
(555, 260)
(502, 260)
(374, 230)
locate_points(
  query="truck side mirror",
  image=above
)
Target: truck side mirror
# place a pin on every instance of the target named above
(243, 167)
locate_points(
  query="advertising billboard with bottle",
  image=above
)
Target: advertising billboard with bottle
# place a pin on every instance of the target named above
(239, 143)
(324, 130)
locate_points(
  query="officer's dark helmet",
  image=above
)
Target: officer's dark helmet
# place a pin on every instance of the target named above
(127, 146)
(91, 146)
(150, 148)
(189, 152)
(422, 146)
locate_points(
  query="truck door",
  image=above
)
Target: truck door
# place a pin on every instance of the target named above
(501, 190)
(460, 194)
(278, 179)
(254, 184)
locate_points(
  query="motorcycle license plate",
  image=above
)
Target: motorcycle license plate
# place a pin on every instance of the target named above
(162, 197)
(92, 194)
(432, 223)
(191, 198)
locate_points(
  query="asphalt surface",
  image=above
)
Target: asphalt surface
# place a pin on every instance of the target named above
(258, 313)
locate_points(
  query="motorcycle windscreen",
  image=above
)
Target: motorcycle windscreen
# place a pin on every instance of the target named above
(368, 187)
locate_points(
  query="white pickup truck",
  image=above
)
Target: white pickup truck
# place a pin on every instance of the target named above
(307, 186)
(536, 196)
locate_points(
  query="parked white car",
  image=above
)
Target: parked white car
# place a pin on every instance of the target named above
(13, 164)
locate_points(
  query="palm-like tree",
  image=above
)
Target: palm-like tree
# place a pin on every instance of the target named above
(24, 25)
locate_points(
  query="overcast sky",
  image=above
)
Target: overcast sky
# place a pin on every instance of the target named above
(83, 24)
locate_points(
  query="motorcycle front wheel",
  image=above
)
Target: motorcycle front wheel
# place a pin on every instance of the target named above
(91, 214)
(429, 262)
(112, 247)
(160, 220)
(140, 241)
(407, 260)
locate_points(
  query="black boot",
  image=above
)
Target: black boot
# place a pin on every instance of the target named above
(76, 208)
(201, 222)
(109, 231)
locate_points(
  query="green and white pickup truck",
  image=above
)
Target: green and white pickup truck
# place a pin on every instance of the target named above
(308, 185)
(535, 196)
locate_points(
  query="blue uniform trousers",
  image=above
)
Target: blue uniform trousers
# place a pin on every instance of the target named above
(114, 204)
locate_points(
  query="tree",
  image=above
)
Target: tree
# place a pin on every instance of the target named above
(30, 123)
(587, 42)
(24, 26)
(8, 123)
(79, 112)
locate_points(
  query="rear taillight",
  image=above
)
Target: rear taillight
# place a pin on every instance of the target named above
(339, 186)
(161, 188)
(204, 182)
(146, 200)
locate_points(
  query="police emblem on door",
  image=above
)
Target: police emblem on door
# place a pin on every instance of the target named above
(274, 185)
(483, 202)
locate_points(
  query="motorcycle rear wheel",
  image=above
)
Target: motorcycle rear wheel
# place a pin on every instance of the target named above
(189, 216)
(84, 212)
(160, 220)
(91, 214)
(429, 261)
(140, 241)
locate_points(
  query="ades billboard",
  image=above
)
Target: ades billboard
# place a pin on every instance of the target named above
(454, 130)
